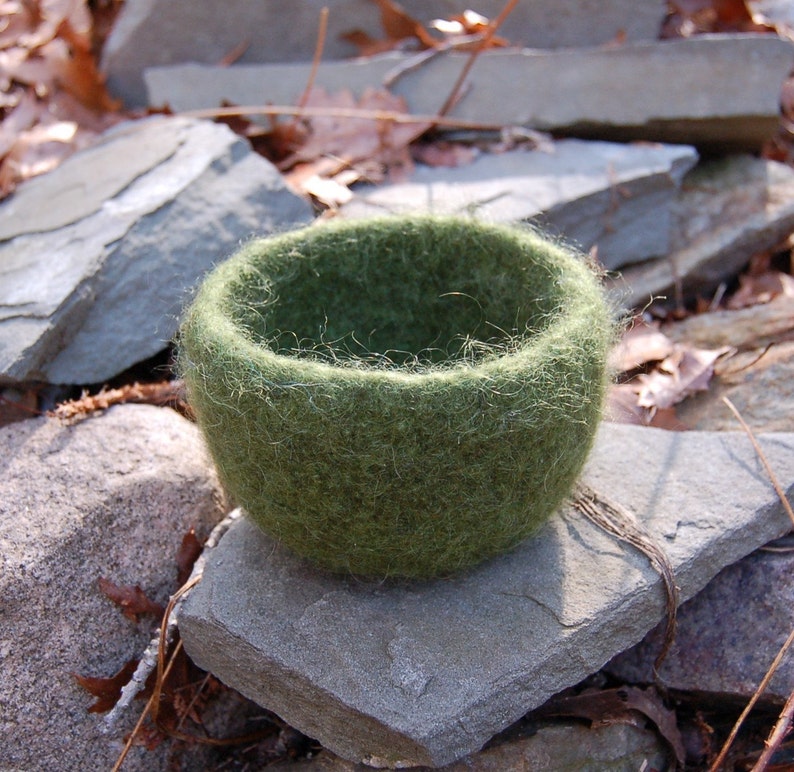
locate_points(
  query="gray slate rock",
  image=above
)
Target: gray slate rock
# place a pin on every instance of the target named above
(727, 211)
(425, 673)
(687, 91)
(98, 256)
(574, 747)
(728, 634)
(615, 196)
(111, 496)
(159, 32)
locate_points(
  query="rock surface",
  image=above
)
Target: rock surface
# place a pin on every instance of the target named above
(111, 496)
(728, 634)
(618, 197)
(98, 256)
(156, 32)
(722, 107)
(727, 211)
(616, 747)
(427, 673)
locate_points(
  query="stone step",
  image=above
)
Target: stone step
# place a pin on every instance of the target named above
(425, 673)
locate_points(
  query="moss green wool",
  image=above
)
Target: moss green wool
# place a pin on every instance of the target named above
(404, 396)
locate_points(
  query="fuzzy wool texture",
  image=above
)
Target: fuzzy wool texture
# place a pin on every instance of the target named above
(399, 397)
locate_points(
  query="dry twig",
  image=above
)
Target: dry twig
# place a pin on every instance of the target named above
(483, 44)
(150, 660)
(778, 734)
(339, 112)
(717, 763)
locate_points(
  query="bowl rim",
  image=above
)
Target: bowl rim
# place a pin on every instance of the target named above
(310, 371)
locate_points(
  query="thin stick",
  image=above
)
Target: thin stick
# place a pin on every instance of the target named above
(145, 712)
(717, 763)
(150, 656)
(318, 55)
(775, 739)
(773, 478)
(158, 684)
(486, 39)
(339, 112)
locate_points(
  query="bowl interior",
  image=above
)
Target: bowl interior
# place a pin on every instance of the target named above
(417, 295)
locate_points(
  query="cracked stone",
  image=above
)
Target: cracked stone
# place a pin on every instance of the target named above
(425, 673)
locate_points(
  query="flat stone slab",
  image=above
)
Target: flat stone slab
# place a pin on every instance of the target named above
(727, 211)
(618, 197)
(425, 673)
(110, 496)
(157, 32)
(722, 106)
(550, 748)
(97, 257)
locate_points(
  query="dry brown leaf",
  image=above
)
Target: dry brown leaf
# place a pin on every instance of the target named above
(640, 344)
(340, 150)
(189, 551)
(106, 690)
(398, 24)
(686, 371)
(52, 97)
(610, 706)
(694, 17)
(761, 288)
(350, 140)
(131, 598)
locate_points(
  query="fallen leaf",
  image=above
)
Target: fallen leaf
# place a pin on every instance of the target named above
(761, 288)
(339, 149)
(53, 99)
(694, 17)
(189, 551)
(398, 24)
(686, 371)
(327, 191)
(106, 690)
(610, 706)
(131, 598)
(399, 28)
(640, 344)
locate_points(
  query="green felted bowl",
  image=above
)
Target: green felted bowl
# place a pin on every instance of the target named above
(404, 396)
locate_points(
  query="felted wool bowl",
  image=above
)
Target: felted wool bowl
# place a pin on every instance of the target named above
(405, 396)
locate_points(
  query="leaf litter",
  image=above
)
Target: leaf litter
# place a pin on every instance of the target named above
(53, 99)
